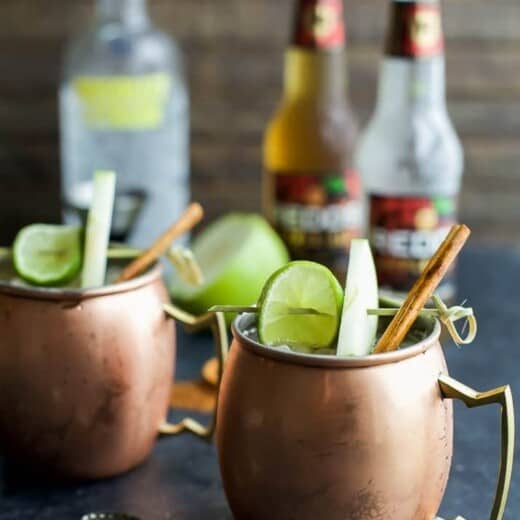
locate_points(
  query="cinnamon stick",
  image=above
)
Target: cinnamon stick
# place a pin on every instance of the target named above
(210, 372)
(192, 216)
(197, 396)
(423, 289)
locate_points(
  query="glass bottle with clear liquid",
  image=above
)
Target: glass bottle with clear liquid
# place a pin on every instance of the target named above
(409, 156)
(124, 107)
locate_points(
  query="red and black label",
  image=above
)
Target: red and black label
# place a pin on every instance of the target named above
(319, 24)
(415, 30)
(317, 215)
(404, 233)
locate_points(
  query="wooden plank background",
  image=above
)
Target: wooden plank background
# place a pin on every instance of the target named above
(234, 50)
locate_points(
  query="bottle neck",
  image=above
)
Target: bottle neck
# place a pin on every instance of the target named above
(315, 61)
(315, 75)
(416, 85)
(130, 13)
(413, 73)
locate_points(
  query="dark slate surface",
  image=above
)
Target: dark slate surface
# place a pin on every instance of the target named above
(181, 479)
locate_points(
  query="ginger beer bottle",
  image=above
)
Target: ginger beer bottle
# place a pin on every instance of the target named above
(410, 157)
(311, 194)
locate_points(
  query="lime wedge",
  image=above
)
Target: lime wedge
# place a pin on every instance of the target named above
(300, 285)
(236, 254)
(47, 255)
(358, 329)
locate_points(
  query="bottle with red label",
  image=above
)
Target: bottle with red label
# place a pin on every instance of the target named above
(311, 193)
(409, 156)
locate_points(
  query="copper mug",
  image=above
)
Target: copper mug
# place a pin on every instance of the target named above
(86, 375)
(311, 437)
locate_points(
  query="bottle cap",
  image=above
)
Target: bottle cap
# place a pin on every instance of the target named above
(415, 30)
(319, 24)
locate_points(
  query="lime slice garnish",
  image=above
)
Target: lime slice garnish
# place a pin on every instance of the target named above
(236, 254)
(47, 255)
(358, 329)
(304, 285)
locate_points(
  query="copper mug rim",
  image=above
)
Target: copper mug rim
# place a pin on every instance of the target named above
(53, 293)
(245, 320)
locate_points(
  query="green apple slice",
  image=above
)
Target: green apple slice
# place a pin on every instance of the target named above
(97, 233)
(358, 329)
(236, 254)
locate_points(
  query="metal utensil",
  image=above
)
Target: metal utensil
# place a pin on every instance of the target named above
(108, 516)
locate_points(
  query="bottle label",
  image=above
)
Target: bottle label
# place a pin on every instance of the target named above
(319, 24)
(415, 30)
(317, 215)
(123, 102)
(404, 233)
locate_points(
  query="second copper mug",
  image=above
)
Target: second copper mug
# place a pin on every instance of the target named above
(310, 437)
(86, 375)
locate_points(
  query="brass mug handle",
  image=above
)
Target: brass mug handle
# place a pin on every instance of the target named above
(453, 389)
(217, 323)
